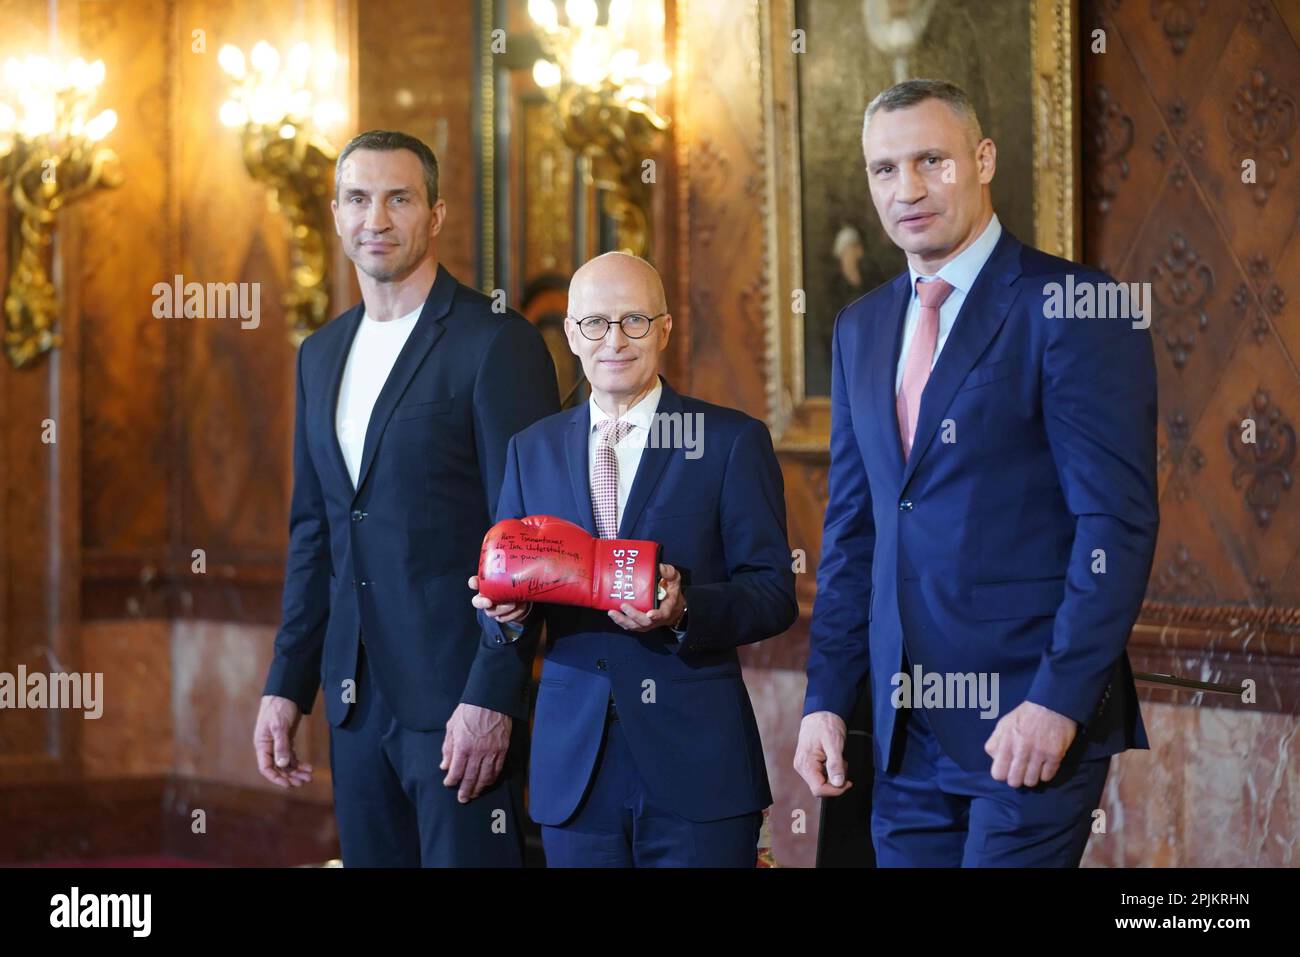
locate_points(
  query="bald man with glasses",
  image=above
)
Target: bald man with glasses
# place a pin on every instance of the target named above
(645, 750)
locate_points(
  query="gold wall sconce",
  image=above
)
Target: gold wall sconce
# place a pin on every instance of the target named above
(284, 113)
(603, 79)
(49, 157)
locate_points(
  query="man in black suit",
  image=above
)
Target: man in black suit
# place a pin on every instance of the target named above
(405, 406)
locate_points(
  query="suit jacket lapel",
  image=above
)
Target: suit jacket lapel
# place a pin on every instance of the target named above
(653, 461)
(885, 343)
(575, 454)
(428, 330)
(330, 412)
(981, 316)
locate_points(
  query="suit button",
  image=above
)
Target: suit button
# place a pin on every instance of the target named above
(602, 664)
(365, 583)
(358, 515)
(905, 505)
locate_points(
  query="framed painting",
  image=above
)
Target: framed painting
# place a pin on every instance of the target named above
(822, 63)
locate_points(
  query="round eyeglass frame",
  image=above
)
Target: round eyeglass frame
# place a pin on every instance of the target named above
(616, 322)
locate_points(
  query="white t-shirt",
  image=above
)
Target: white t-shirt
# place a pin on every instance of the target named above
(370, 360)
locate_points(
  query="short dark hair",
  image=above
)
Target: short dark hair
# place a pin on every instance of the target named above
(911, 92)
(385, 141)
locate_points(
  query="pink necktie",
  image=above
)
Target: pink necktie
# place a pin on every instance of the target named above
(604, 476)
(920, 357)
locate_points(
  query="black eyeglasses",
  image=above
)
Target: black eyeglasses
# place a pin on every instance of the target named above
(634, 326)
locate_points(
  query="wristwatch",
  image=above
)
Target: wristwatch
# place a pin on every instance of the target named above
(679, 629)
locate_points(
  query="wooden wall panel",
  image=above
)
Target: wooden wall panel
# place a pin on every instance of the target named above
(172, 434)
(234, 385)
(415, 73)
(38, 538)
(1187, 99)
(190, 427)
(126, 420)
(1183, 94)
(723, 161)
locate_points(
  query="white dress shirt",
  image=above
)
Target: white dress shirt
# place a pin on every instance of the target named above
(960, 273)
(628, 452)
(371, 358)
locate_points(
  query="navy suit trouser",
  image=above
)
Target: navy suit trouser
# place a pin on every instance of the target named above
(619, 824)
(932, 813)
(391, 805)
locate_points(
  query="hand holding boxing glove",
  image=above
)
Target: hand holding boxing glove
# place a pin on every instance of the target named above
(505, 613)
(546, 559)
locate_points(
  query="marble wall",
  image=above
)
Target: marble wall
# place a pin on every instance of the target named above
(1219, 788)
(181, 698)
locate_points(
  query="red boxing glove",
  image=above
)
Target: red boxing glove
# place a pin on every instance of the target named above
(540, 558)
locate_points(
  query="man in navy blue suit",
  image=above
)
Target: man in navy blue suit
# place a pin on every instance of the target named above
(405, 405)
(645, 750)
(991, 520)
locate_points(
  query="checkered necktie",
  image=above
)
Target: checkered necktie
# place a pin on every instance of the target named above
(604, 476)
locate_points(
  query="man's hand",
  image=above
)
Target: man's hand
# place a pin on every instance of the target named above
(1028, 744)
(667, 615)
(504, 613)
(819, 756)
(474, 749)
(277, 720)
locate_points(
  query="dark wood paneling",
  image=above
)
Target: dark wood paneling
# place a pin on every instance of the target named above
(127, 448)
(233, 386)
(724, 242)
(188, 422)
(172, 434)
(38, 534)
(415, 73)
(153, 587)
(1183, 95)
